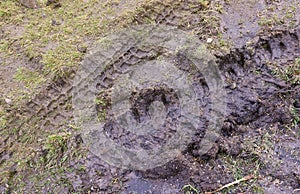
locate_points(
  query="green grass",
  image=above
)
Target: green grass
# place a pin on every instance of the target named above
(275, 15)
(296, 119)
(257, 150)
(288, 72)
(31, 78)
(189, 189)
(52, 36)
(55, 147)
(10, 12)
(240, 168)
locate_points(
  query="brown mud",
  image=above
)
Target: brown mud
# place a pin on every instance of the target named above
(260, 135)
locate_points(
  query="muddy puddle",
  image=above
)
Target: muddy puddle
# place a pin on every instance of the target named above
(259, 64)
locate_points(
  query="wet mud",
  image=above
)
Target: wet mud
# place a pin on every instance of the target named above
(257, 129)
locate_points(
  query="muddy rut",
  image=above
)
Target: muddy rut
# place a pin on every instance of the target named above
(258, 111)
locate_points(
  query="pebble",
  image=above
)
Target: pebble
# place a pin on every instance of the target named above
(209, 40)
(8, 101)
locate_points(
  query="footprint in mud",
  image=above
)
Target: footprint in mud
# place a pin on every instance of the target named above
(134, 83)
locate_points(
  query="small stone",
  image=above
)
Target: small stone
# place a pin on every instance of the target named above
(233, 86)
(209, 40)
(8, 101)
(55, 23)
(82, 49)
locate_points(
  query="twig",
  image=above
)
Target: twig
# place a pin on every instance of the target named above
(246, 178)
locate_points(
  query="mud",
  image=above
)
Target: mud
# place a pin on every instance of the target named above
(257, 130)
(241, 26)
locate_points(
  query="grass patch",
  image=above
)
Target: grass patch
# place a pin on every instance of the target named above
(296, 119)
(189, 189)
(50, 37)
(289, 72)
(10, 12)
(241, 168)
(32, 79)
(62, 58)
(284, 15)
(65, 27)
(55, 147)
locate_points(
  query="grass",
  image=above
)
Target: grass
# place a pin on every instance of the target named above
(49, 37)
(8, 9)
(3, 119)
(101, 105)
(55, 147)
(256, 153)
(296, 119)
(284, 15)
(239, 169)
(189, 189)
(32, 79)
(53, 34)
(288, 72)
(51, 163)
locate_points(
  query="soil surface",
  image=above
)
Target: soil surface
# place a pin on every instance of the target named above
(256, 44)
